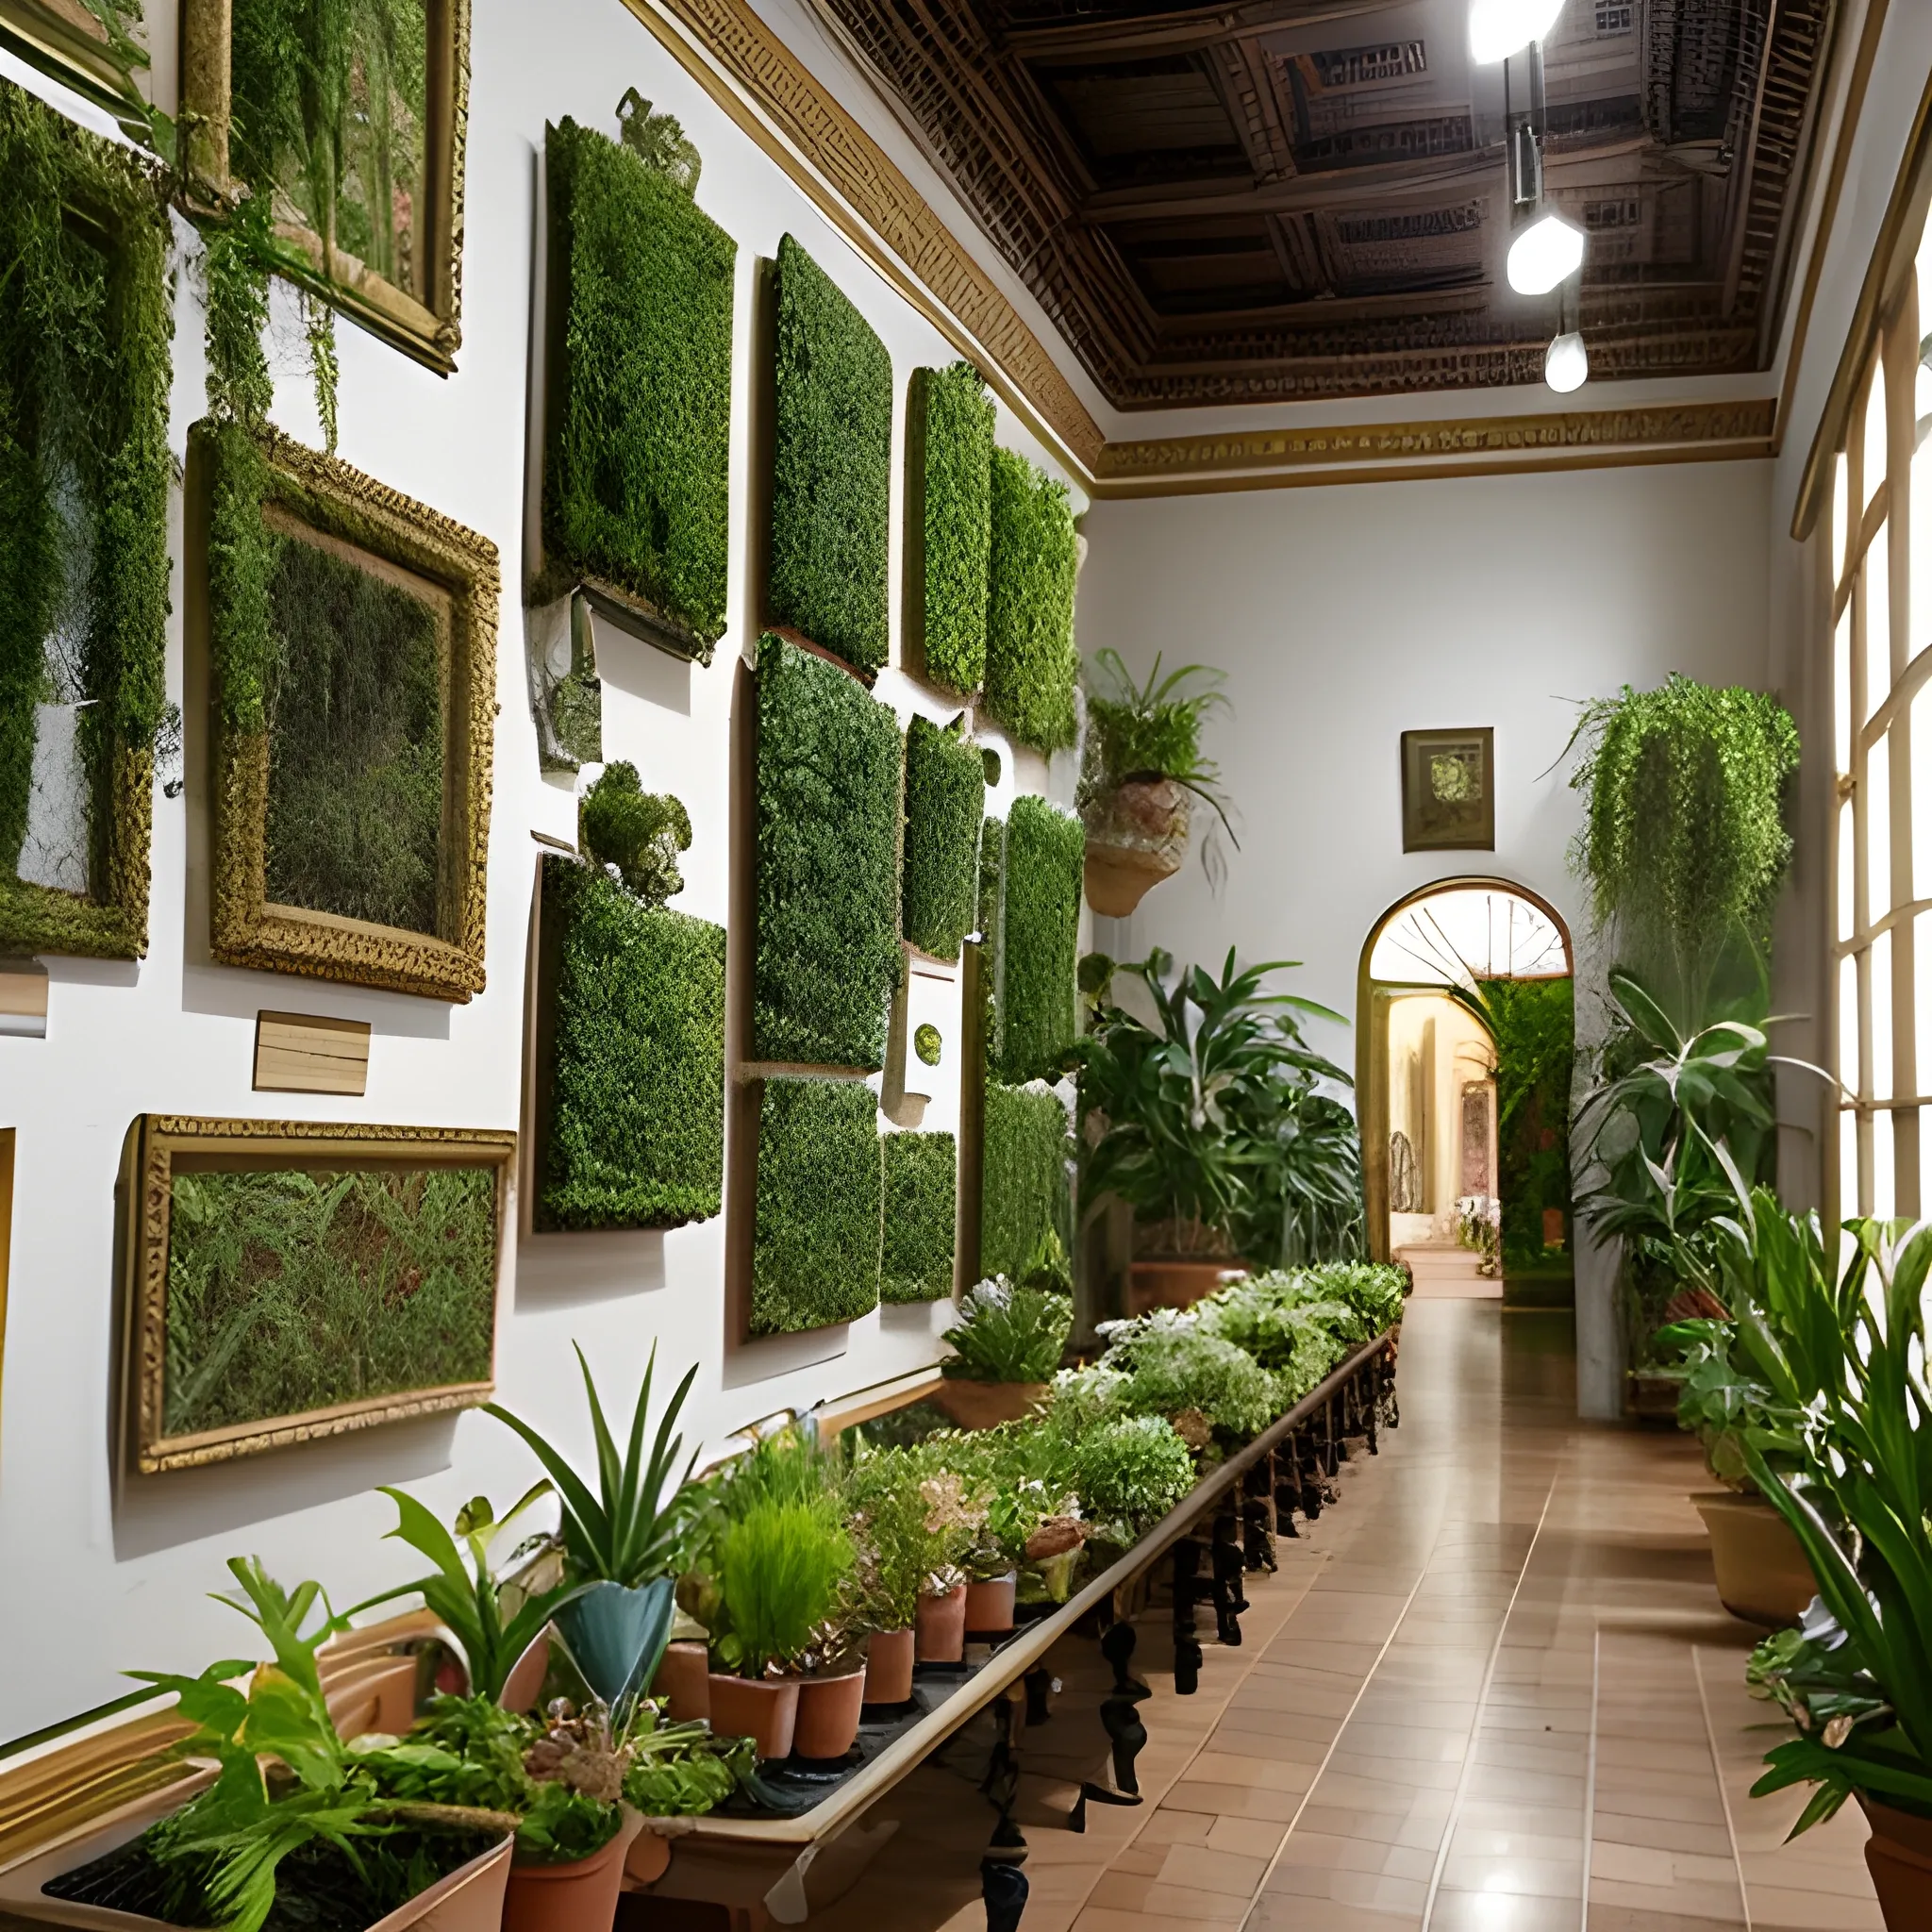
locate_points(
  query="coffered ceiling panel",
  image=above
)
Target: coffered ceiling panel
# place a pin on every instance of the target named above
(1290, 199)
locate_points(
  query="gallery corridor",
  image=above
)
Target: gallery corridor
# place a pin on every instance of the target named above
(1492, 1684)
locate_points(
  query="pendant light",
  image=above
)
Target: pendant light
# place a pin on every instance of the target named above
(1498, 29)
(1566, 363)
(1544, 255)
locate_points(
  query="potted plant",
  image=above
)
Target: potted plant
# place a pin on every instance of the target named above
(1213, 1130)
(619, 1541)
(955, 1515)
(1140, 772)
(1006, 1347)
(897, 1554)
(1211, 1389)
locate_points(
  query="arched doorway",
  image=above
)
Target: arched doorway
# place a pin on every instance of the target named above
(1463, 1048)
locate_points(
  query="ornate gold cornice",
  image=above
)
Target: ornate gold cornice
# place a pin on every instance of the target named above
(1266, 458)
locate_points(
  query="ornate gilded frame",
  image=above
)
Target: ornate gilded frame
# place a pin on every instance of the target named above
(326, 496)
(430, 332)
(154, 1143)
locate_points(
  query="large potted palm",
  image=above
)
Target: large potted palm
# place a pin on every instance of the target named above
(1213, 1127)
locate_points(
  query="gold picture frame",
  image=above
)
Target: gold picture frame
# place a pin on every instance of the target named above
(425, 325)
(1449, 790)
(160, 1147)
(341, 509)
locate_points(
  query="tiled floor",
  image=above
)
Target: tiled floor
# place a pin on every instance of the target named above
(1491, 1691)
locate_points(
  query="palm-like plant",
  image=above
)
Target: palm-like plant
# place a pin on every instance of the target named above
(1150, 730)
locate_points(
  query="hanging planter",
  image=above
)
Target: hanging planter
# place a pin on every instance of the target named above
(1137, 836)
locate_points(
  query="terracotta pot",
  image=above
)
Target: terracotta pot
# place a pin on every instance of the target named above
(1136, 836)
(765, 1710)
(647, 1860)
(828, 1714)
(990, 1604)
(888, 1667)
(378, 1695)
(580, 1896)
(525, 1684)
(1176, 1284)
(984, 1404)
(1652, 1398)
(684, 1676)
(1762, 1576)
(1899, 1856)
(940, 1636)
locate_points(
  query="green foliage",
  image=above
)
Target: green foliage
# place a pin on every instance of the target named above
(1214, 1127)
(1007, 1334)
(920, 1187)
(816, 1251)
(1684, 844)
(352, 702)
(1173, 1364)
(84, 479)
(291, 1289)
(829, 954)
(1131, 1471)
(946, 799)
(1031, 663)
(624, 1531)
(636, 1129)
(927, 1045)
(1023, 1176)
(992, 897)
(780, 1566)
(897, 1546)
(639, 832)
(1040, 939)
(1151, 730)
(636, 481)
(831, 467)
(957, 415)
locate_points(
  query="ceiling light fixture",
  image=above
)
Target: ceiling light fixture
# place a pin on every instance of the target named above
(1566, 363)
(1546, 254)
(1498, 29)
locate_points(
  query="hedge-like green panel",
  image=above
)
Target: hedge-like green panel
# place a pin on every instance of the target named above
(993, 888)
(955, 417)
(921, 1173)
(945, 797)
(815, 1251)
(636, 482)
(1031, 664)
(1022, 1175)
(828, 954)
(636, 1116)
(831, 467)
(1040, 939)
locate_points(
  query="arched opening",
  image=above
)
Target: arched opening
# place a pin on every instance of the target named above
(1464, 1045)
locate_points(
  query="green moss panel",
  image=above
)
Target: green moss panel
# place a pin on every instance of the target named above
(921, 1181)
(953, 415)
(828, 826)
(816, 1240)
(1031, 664)
(945, 798)
(635, 478)
(1022, 1175)
(636, 1118)
(1040, 939)
(992, 887)
(831, 467)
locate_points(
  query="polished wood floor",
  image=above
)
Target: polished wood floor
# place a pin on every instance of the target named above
(1490, 1691)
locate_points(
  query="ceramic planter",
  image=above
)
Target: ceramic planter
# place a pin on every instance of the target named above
(1761, 1573)
(647, 1860)
(1176, 1284)
(765, 1710)
(616, 1635)
(889, 1666)
(684, 1676)
(828, 1714)
(378, 1695)
(1136, 836)
(984, 1404)
(525, 1684)
(990, 1604)
(580, 1896)
(941, 1632)
(1899, 1856)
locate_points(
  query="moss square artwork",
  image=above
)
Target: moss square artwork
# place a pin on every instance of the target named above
(1039, 939)
(1448, 791)
(951, 418)
(945, 797)
(1024, 1189)
(293, 1281)
(816, 1241)
(1031, 665)
(921, 1189)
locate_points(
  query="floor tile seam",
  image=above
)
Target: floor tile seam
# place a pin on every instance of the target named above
(1723, 1792)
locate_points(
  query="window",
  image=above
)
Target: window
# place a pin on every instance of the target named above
(1875, 549)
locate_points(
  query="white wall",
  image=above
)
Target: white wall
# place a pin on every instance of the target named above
(105, 1576)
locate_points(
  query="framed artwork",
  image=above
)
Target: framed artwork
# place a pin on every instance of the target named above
(290, 1280)
(352, 655)
(374, 203)
(1449, 790)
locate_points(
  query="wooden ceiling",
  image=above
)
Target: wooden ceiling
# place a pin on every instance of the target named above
(1278, 200)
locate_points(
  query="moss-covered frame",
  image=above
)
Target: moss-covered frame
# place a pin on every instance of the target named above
(326, 501)
(94, 198)
(922, 1197)
(1024, 1190)
(1041, 873)
(819, 1220)
(637, 411)
(630, 1052)
(945, 800)
(1032, 665)
(425, 321)
(435, 1182)
(949, 442)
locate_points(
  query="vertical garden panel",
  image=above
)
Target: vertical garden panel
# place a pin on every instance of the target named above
(921, 1189)
(1040, 939)
(816, 1240)
(953, 420)
(945, 797)
(831, 467)
(1024, 1190)
(1031, 664)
